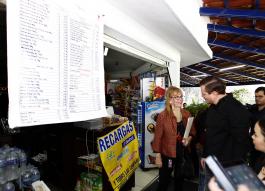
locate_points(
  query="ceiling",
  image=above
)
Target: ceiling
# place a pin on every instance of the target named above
(163, 26)
(117, 61)
(236, 35)
(155, 27)
(119, 65)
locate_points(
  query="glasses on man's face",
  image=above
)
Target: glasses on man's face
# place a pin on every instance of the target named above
(176, 97)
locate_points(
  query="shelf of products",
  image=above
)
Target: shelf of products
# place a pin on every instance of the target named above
(135, 99)
(92, 175)
(91, 179)
(125, 96)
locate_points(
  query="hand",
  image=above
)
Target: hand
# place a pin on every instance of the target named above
(158, 160)
(186, 141)
(242, 188)
(202, 162)
(261, 174)
(213, 186)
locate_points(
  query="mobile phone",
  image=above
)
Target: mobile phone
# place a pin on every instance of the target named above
(233, 174)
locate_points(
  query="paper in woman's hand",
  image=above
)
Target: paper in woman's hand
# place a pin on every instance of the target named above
(188, 127)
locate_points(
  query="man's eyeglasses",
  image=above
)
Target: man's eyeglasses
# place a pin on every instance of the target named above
(176, 97)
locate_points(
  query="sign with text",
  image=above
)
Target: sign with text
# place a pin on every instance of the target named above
(55, 63)
(119, 153)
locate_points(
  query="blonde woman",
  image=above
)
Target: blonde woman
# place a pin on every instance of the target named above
(168, 142)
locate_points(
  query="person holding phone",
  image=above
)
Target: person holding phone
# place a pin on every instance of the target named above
(168, 139)
(258, 138)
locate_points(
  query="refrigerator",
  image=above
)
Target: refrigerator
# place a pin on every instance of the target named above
(146, 121)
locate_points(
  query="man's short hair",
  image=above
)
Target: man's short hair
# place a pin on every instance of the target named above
(213, 83)
(259, 89)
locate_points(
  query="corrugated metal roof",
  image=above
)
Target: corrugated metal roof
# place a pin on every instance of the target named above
(237, 38)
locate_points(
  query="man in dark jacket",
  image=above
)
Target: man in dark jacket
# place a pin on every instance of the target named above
(258, 110)
(227, 123)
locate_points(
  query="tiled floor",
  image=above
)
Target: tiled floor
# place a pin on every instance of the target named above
(143, 178)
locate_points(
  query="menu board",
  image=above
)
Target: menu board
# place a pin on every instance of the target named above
(55, 63)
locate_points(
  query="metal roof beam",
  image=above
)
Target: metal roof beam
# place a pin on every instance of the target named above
(240, 61)
(234, 46)
(233, 72)
(185, 74)
(183, 81)
(193, 80)
(195, 70)
(239, 13)
(210, 74)
(233, 30)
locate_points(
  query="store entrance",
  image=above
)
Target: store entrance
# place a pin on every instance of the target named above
(124, 92)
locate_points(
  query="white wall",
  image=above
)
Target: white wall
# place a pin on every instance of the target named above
(194, 93)
(120, 25)
(188, 14)
(174, 73)
(168, 29)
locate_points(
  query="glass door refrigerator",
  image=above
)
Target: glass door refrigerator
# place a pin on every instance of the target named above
(146, 121)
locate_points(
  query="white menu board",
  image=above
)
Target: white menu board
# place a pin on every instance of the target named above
(55, 63)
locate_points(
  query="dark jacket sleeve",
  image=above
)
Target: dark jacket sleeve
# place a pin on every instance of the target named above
(239, 120)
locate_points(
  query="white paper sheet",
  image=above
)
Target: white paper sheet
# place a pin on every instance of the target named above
(55, 63)
(188, 127)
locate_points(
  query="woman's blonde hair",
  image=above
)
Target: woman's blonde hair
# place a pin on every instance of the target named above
(170, 91)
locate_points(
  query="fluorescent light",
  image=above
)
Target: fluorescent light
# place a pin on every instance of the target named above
(106, 49)
(113, 81)
(198, 76)
(231, 68)
(131, 50)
